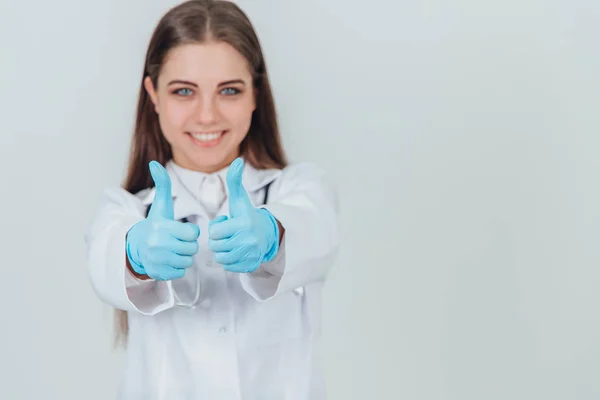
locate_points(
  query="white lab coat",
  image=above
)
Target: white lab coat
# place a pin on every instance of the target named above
(251, 336)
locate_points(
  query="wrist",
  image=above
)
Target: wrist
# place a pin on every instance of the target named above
(133, 273)
(133, 257)
(273, 237)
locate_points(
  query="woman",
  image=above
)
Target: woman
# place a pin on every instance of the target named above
(215, 251)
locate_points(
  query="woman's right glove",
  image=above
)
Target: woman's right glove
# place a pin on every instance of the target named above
(159, 246)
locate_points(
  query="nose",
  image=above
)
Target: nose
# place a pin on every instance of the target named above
(207, 111)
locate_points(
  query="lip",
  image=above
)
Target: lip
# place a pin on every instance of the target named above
(207, 144)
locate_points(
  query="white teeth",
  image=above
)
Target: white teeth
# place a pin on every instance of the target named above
(206, 137)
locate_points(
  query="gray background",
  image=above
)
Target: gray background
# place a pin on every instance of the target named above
(463, 137)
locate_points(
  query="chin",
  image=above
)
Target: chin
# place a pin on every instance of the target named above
(210, 161)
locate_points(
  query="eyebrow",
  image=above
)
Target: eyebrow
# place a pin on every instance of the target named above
(183, 82)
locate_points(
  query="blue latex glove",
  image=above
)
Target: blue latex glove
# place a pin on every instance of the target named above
(159, 246)
(250, 236)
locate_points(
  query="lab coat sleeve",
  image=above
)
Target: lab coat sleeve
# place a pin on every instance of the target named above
(106, 258)
(305, 203)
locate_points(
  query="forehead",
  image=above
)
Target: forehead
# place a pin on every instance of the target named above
(205, 63)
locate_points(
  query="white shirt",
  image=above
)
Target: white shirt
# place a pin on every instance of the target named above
(251, 336)
(208, 189)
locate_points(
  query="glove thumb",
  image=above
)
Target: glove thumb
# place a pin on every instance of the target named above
(163, 201)
(238, 197)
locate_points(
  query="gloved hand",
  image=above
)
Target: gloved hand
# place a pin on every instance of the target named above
(250, 236)
(159, 246)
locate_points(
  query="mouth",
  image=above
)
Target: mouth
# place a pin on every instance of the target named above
(207, 139)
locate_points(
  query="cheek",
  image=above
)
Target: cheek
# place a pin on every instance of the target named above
(239, 114)
(174, 115)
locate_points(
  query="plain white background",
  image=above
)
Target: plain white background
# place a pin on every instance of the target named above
(463, 137)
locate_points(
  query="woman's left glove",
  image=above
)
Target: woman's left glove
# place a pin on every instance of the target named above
(249, 236)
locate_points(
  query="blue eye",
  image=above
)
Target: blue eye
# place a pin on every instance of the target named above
(183, 92)
(230, 91)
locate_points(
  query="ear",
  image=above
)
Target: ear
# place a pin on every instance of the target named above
(151, 92)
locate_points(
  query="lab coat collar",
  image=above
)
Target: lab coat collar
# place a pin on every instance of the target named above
(186, 205)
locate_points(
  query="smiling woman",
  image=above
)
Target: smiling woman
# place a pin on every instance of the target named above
(216, 263)
(205, 98)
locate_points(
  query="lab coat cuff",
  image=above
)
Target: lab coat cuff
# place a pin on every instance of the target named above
(265, 282)
(132, 280)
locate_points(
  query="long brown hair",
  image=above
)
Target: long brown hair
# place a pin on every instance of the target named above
(199, 21)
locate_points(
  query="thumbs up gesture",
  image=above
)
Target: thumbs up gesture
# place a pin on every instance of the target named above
(250, 236)
(159, 246)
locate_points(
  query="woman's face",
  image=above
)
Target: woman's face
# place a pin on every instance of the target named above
(204, 99)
